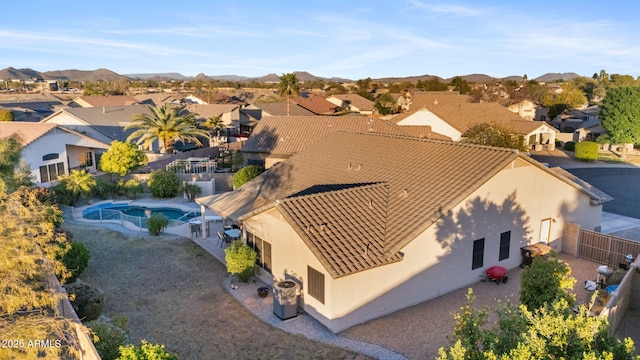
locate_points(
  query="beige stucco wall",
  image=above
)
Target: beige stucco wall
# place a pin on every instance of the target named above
(439, 260)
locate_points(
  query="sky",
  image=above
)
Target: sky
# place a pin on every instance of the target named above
(351, 39)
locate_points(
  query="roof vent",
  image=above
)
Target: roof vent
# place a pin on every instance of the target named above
(404, 193)
(359, 167)
(349, 166)
(435, 102)
(370, 203)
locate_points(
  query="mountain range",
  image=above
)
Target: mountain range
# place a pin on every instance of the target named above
(11, 73)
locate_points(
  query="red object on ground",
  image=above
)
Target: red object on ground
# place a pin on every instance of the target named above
(497, 274)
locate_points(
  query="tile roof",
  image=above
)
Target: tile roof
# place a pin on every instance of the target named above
(109, 120)
(28, 131)
(316, 104)
(527, 126)
(463, 116)
(291, 134)
(403, 164)
(205, 111)
(157, 99)
(113, 100)
(357, 191)
(363, 104)
(420, 99)
(280, 109)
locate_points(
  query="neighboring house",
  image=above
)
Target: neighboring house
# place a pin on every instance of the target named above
(157, 99)
(316, 104)
(353, 103)
(371, 223)
(280, 109)
(402, 103)
(98, 101)
(104, 124)
(420, 99)
(228, 114)
(52, 151)
(276, 138)
(528, 110)
(566, 123)
(453, 120)
(32, 110)
(589, 131)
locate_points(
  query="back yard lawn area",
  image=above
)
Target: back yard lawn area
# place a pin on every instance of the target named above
(171, 290)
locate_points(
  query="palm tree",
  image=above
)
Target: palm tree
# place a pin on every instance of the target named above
(78, 182)
(166, 124)
(289, 85)
(214, 123)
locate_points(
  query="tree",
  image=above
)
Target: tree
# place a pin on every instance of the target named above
(214, 123)
(78, 183)
(545, 282)
(620, 116)
(569, 95)
(166, 124)
(14, 172)
(164, 184)
(289, 86)
(461, 85)
(6, 115)
(385, 104)
(245, 174)
(241, 260)
(364, 88)
(122, 158)
(493, 134)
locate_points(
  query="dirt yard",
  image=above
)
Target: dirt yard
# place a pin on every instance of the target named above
(171, 291)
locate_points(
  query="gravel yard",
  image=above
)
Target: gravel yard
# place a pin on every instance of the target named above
(172, 292)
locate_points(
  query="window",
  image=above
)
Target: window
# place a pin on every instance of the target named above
(505, 244)
(315, 287)
(50, 157)
(478, 254)
(263, 249)
(86, 159)
(51, 172)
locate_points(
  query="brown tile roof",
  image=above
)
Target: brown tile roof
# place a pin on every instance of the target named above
(206, 111)
(357, 101)
(422, 131)
(354, 191)
(420, 99)
(403, 164)
(288, 135)
(526, 126)
(157, 99)
(28, 131)
(280, 109)
(316, 104)
(115, 100)
(464, 116)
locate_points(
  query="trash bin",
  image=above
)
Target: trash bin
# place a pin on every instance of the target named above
(531, 251)
(285, 299)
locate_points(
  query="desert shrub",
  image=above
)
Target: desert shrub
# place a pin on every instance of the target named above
(132, 188)
(87, 300)
(587, 151)
(164, 184)
(64, 196)
(546, 281)
(145, 351)
(75, 258)
(245, 174)
(103, 189)
(192, 191)
(107, 337)
(156, 224)
(570, 146)
(240, 260)
(6, 115)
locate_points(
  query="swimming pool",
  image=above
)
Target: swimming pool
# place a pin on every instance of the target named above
(137, 214)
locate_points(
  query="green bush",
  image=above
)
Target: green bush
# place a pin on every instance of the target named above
(192, 191)
(156, 224)
(570, 146)
(558, 144)
(103, 189)
(245, 174)
(164, 184)
(64, 196)
(132, 188)
(587, 151)
(87, 300)
(108, 338)
(145, 351)
(75, 258)
(240, 259)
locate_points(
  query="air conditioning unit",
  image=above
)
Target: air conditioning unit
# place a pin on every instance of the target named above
(285, 299)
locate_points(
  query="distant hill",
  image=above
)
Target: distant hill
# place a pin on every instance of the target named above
(11, 73)
(550, 77)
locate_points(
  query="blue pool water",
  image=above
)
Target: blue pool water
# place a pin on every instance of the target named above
(137, 215)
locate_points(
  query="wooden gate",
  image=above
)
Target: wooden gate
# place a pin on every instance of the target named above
(606, 249)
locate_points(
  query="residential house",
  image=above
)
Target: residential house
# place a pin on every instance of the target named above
(52, 151)
(157, 99)
(529, 110)
(589, 130)
(420, 99)
(371, 223)
(100, 101)
(228, 114)
(276, 138)
(316, 104)
(453, 120)
(353, 103)
(280, 109)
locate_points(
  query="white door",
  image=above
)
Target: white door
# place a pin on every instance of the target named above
(545, 229)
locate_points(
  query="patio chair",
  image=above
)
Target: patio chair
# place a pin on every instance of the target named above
(196, 229)
(220, 238)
